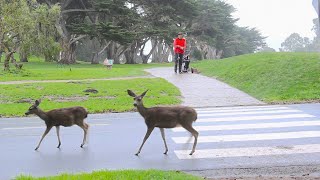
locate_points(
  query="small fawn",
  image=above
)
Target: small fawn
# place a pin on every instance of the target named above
(165, 117)
(61, 117)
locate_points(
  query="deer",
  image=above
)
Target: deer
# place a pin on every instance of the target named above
(60, 117)
(165, 117)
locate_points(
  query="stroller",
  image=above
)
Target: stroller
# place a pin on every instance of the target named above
(185, 63)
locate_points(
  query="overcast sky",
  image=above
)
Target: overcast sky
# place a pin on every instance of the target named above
(276, 19)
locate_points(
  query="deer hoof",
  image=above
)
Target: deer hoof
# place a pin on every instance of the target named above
(36, 149)
(191, 153)
(137, 154)
(166, 153)
(81, 146)
(59, 146)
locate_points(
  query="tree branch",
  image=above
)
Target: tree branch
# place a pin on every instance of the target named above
(77, 39)
(78, 10)
(104, 48)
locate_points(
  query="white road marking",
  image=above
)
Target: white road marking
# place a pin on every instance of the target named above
(248, 152)
(250, 137)
(252, 126)
(250, 118)
(249, 112)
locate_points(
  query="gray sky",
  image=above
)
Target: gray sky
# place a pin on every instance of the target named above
(276, 19)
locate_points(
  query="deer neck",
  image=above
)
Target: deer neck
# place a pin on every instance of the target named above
(142, 110)
(43, 115)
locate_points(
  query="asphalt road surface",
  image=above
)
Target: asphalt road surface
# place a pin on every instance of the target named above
(230, 137)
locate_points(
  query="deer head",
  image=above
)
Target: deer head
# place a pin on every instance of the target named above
(34, 108)
(137, 99)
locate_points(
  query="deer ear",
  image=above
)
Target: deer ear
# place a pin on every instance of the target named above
(144, 93)
(131, 93)
(37, 102)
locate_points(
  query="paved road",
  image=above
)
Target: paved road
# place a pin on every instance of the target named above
(201, 91)
(230, 137)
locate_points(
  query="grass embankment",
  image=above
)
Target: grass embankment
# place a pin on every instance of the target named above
(36, 69)
(119, 175)
(270, 77)
(111, 97)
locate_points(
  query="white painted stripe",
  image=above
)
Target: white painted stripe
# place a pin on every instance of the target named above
(252, 126)
(41, 127)
(242, 108)
(246, 113)
(250, 118)
(248, 152)
(250, 137)
(239, 110)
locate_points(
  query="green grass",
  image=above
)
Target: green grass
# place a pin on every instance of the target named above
(111, 96)
(270, 77)
(36, 69)
(119, 175)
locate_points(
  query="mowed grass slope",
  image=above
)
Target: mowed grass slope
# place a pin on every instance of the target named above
(119, 175)
(270, 77)
(111, 97)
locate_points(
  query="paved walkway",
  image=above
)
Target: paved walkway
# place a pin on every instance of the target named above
(201, 91)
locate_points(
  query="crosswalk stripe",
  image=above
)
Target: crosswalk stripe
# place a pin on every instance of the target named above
(249, 112)
(252, 126)
(250, 118)
(250, 137)
(248, 152)
(251, 108)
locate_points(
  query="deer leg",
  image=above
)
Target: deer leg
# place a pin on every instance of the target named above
(85, 127)
(145, 138)
(195, 134)
(58, 131)
(44, 134)
(164, 140)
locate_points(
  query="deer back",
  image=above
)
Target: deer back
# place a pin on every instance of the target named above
(170, 117)
(66, 116)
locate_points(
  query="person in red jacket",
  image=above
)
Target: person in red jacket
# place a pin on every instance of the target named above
(179, 45)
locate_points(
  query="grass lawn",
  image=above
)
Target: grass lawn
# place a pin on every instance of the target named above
(119, 175)
(111, 97)
(36, 69)
(270, 77)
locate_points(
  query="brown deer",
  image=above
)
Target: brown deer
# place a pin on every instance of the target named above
(61, 117)
(165, 117)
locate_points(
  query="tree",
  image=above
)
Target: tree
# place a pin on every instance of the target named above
(16, 27)
(295, 43)
(46, 34)
(267, 49)
(245, 40)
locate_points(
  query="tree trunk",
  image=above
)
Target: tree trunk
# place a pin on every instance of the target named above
(219, 54)
(95, 58)
(112, 53)
(145, 58)
(23, 57)
(17, 65)
(7, 60)
(0, 55)
(68, 53)
(130, 56)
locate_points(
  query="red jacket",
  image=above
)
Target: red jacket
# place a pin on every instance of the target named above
(180, 42)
